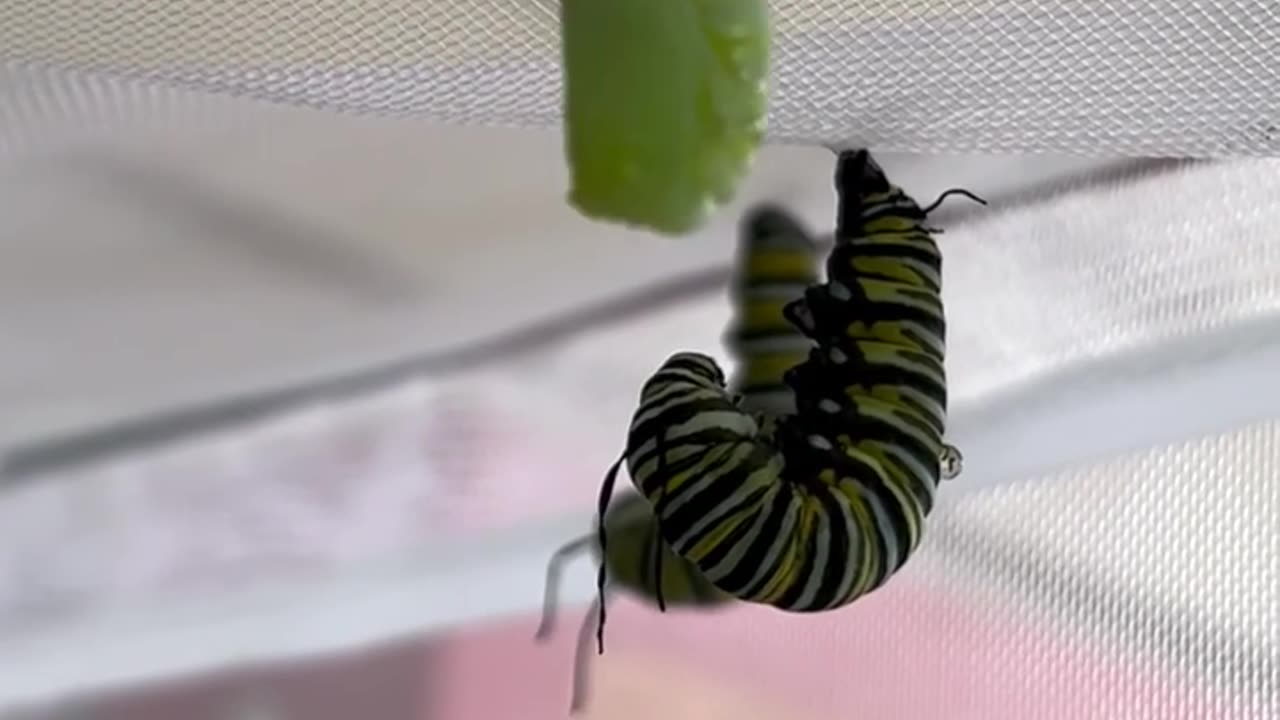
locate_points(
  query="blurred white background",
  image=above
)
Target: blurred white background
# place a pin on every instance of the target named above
(1110, 552)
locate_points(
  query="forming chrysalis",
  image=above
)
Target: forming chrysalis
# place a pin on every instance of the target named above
(665, 104)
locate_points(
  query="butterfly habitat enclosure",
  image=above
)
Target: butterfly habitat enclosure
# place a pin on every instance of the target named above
(308, 368)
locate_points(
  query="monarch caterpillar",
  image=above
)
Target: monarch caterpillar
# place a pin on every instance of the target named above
(777, 260)
(823, 508)
(664, 105)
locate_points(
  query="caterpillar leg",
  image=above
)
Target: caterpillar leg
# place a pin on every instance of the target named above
(952, 462)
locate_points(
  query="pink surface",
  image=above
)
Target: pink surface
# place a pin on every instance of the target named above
(384, 683)
(904, 653)
(907, 652)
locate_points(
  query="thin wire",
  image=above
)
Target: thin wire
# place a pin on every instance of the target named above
(582, 659)
(551, 591)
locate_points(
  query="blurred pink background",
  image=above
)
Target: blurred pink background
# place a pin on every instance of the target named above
(906, 652)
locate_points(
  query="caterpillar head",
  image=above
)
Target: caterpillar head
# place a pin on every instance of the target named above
(857, 173)
(632, 528)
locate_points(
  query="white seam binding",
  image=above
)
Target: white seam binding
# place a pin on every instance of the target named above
(1151, 396)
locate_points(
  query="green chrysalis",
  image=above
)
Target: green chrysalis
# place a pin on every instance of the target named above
(665, 104)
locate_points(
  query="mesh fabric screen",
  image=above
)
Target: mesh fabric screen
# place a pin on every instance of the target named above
(1081, 594)
(1133, 77)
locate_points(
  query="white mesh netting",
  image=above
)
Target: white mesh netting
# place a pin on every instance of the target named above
(1131, 77)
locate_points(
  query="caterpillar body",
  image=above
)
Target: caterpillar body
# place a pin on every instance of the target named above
(823, 508)
(777, 259)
